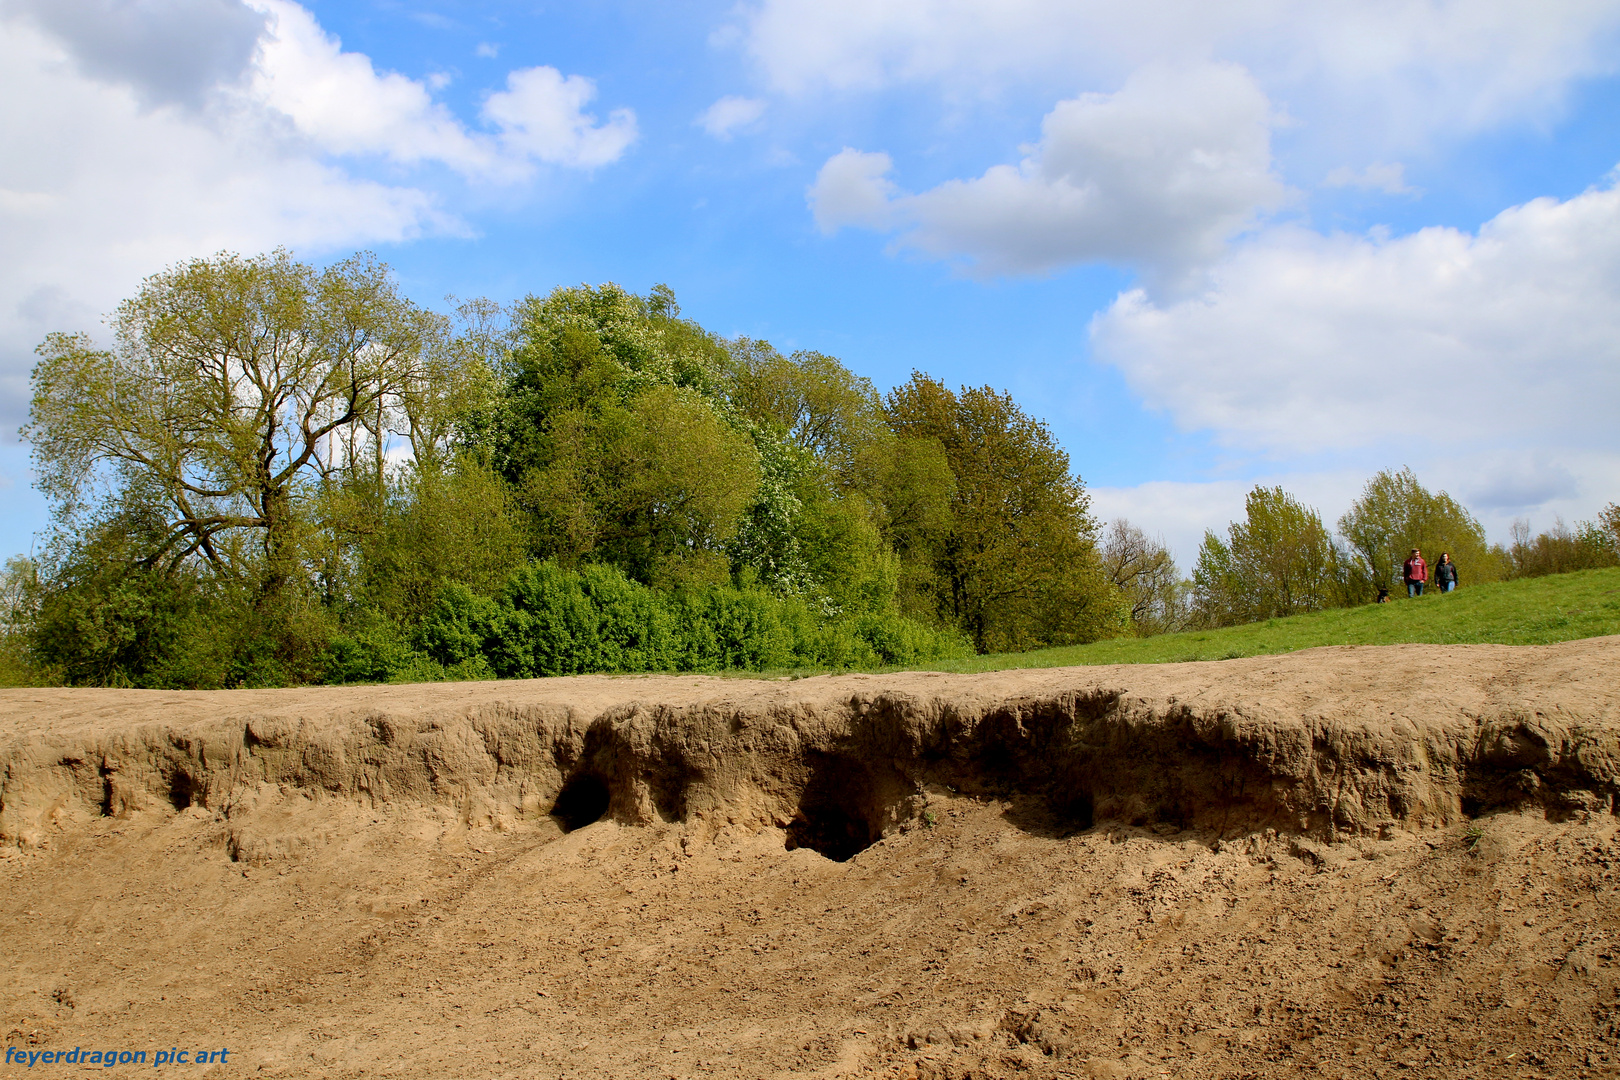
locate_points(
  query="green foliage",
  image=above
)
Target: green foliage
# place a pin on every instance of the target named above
(820, 405)
(767, 547)
(1535, 611)
(658, 486)
(19, 610)
(1562, 550)
(1018, 564)
(434, 524)
(107, 618)
(283, 474)
(1395, 514)
(1146, 576)
(915, 489)
(371, 648)
(1280, 560)
(615, 436)
(553, 621)
(580, 350)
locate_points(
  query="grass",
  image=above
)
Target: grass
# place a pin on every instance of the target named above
(1531, 611)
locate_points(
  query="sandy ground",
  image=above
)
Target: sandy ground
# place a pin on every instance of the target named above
(321, 931)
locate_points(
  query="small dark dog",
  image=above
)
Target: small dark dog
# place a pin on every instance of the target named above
(1383, 596)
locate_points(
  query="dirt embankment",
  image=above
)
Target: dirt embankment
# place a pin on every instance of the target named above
(1239, 868)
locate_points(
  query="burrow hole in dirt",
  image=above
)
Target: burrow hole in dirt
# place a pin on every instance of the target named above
(582, 801)
(1071, 809)
(184, 790)
(841, 810)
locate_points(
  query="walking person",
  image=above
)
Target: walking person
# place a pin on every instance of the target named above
(1416, 573)
(1445, 573)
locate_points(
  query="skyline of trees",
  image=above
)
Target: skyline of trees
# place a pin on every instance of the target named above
(280, 474)
(1281, 559)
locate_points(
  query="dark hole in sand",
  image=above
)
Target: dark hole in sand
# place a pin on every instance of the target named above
(183, 790)
(1073, 809)
(582, 800)
(836, 811)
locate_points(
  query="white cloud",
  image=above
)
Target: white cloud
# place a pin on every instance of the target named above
(338, 101)
(167, 51)
(1175, 512)
(1388, 177)
(853, 188)
(1520, 481)
(1535, 483)
(729, 115)
(541, 115)
(1377, 73)
(341, 104)
(487, 51)
(1159, 174)
(109, 173)
(1307, 343)
(1489, 362)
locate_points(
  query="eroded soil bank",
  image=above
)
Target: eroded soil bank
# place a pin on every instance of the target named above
(1353, 861)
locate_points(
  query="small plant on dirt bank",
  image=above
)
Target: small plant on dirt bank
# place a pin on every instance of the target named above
(1473, 835)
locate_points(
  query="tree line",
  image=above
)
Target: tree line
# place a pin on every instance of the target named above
(282, 474)
(1281, 559)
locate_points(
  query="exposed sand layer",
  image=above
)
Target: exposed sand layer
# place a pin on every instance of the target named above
(1348, 861)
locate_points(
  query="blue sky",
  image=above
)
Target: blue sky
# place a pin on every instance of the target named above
(1211, 245)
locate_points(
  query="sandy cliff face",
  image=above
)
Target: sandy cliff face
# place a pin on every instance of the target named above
(1247, 866)
(1330, 742)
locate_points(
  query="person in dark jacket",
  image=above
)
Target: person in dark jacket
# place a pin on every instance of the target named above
(1416, 573)
(1445, 573)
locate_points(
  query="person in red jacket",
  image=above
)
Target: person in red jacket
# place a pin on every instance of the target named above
(1417, 573)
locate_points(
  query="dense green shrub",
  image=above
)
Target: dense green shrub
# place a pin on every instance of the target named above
(552, 621)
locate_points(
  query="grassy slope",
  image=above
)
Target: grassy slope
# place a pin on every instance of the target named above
(1533, 611)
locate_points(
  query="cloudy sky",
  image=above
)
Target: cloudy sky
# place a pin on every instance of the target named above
(1211, 244)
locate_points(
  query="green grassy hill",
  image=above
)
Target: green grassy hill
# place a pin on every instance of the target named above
(1532, 611)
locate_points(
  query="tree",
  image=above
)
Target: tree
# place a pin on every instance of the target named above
(1018, 566)
(19, 610)
(440, 523)
(1561, 550)
(1603, 533)
(1280, 560)
(656, 487)
(581, 346)
(279, 474)
(1395, 514)
(853, 494)
(613, 432)
(914, 493)
(820, 405)
(1145, 574)
(233, 384)
(1608, 522)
